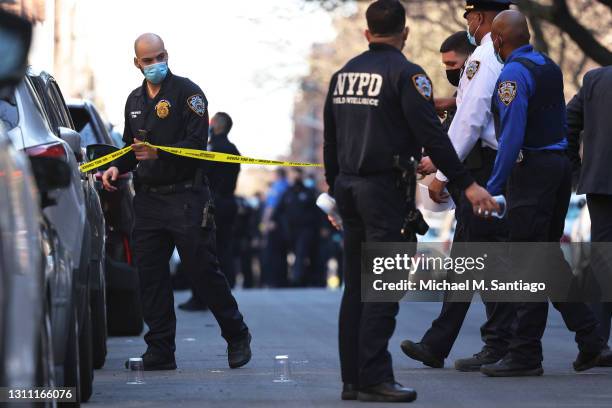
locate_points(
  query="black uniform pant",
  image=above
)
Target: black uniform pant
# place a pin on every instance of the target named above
(274, 259)
(225, 216)
(163, 222)
(372, 210)
(600, 210)
(496, 331)
(538, 198)
(303, 240)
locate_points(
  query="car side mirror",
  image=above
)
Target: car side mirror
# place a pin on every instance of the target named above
(74, 141)
(95, 151)
(15, 39)
(49, 173)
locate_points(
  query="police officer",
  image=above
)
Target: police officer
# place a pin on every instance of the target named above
(530, 116)
(473, 135)
(299, 218)
(222, 180)
(379, 105)
(589, 112)
(172, 205)
(454, 52)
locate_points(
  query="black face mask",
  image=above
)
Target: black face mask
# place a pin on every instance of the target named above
(453, 76)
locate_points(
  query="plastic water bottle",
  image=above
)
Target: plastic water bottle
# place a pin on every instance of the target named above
(328, 205)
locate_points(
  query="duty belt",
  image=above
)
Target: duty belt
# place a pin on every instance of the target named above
(166, 189)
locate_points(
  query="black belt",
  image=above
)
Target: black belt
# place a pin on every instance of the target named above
(166, 189)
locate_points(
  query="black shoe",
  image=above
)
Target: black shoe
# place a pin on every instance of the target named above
(387, 392)
(509, 368)
(193, 305)
(586, 360)
(349, 392)
(422, 353)
(155, 362)
(605, 359)
(239, 352)
(486, 356)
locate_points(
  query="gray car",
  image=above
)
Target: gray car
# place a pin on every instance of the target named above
(31, 258)
(33, 134)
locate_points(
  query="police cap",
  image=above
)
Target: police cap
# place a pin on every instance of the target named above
(486, 5)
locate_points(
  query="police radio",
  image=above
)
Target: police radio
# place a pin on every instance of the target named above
(413, 222)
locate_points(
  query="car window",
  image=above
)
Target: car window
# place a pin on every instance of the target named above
(9, 115)
(65, 118)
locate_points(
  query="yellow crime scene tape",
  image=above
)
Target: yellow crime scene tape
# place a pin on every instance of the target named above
(194, 154)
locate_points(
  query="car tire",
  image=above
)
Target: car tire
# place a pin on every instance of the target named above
(85, 356)
(71, 363)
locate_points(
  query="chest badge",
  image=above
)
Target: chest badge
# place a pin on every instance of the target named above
(507, 92)
(472, 69)
(162, 109)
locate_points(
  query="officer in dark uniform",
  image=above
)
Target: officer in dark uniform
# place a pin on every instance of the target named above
(530, 117)
(222, 179)
(589, 119)
(299, 217)
(172, 205)
(379, 105)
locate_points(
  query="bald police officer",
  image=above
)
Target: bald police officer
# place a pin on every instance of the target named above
(530, 117)
(173, 205)
(379, 105)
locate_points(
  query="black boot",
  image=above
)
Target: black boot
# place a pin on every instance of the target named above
(349, 392)
(508, 368)
(154, 362)
(387, 392)
(239, 352)
(421, 352)
(486, 356)
(192, 305)
(586, 360)
(605, 359)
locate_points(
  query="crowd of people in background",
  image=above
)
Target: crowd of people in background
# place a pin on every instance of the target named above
(280, 238)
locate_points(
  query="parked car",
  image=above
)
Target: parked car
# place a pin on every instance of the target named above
(124, 316)
(77, 217)
(32, 260)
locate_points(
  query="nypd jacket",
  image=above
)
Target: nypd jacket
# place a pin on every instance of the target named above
(380, 105)
(176, 117)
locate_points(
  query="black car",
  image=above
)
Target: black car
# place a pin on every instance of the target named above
(122, 296)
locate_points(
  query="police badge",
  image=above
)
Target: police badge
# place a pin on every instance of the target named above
(196, 104)
(423, 85)
(472, 69)
(507, 92)
(163, 109)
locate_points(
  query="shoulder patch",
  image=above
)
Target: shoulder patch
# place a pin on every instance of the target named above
(196, 104)
(507, 92)
(472, 69)
(423, 85)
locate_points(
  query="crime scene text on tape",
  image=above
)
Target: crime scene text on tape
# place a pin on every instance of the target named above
(194, 154)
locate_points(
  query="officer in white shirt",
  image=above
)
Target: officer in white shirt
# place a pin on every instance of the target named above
(472, 133)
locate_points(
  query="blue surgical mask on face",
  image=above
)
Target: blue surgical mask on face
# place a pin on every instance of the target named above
(155, 73)
(497, 55)
(472, 37)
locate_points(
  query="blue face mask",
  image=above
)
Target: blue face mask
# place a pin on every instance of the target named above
(472, 37)
(497, 55)
(155, 73)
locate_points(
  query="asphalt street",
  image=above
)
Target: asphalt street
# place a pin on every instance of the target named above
(303, 325)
